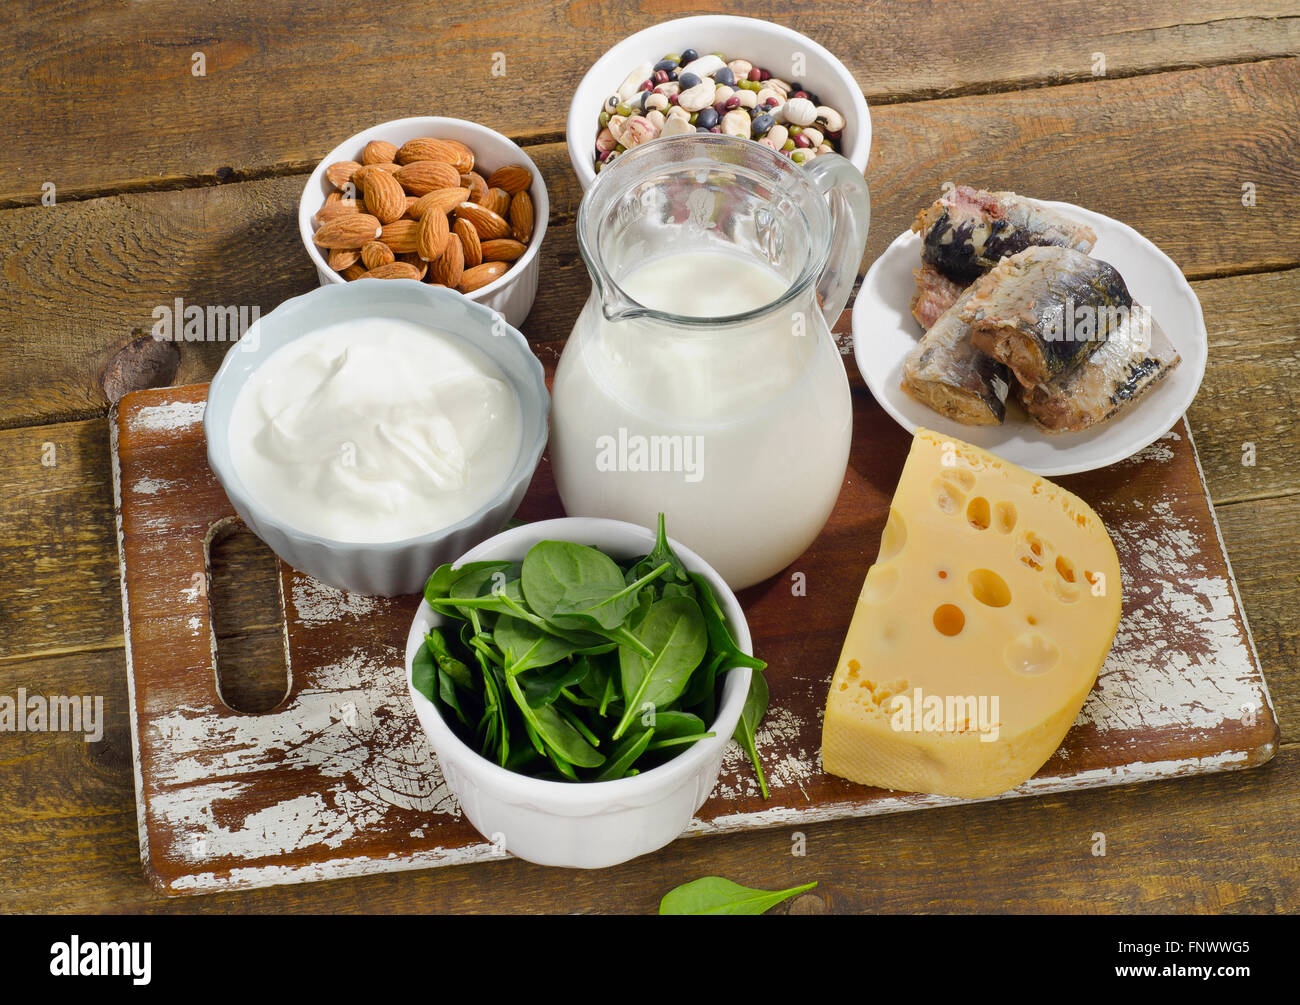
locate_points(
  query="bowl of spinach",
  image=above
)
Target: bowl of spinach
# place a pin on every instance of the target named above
(579, 680)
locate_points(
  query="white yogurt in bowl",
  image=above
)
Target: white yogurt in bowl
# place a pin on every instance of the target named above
(370, 431)
(375, 429)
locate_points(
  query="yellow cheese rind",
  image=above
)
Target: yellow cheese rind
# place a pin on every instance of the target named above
(979, 631)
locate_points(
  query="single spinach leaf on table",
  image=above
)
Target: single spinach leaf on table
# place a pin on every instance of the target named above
(675, 632)
(750, 717)
(716, 895)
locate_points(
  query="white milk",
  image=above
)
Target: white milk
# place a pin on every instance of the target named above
(375, 430)
(738, 433)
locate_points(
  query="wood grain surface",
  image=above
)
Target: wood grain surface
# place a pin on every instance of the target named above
(123, 79)
(174, 185)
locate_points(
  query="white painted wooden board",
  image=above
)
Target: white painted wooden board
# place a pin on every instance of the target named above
(339, 780)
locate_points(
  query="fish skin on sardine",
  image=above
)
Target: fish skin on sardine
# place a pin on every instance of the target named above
(1137, 356)
(946, 373)
(1043, 310)
(967, 231)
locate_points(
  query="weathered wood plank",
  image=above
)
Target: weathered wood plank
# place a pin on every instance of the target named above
(112, 77)
(78, 280)
(1244, 418)
(1223, 843)
(1261, 540)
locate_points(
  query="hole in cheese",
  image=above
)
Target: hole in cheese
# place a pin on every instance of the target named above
(1067, 593)
(989, 588)
(1004, 517)
(947, 498)
(977, 512)
(949, 619)
(1031, 654)
(965, 479)
(1065, 568)
(894, 538)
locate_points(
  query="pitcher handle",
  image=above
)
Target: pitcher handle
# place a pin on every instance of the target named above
(846, 191)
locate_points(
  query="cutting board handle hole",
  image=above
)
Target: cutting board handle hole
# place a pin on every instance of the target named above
(247, 610)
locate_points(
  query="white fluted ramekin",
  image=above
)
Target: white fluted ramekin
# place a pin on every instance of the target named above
(584, 825)
(512, 294)
(378, 568)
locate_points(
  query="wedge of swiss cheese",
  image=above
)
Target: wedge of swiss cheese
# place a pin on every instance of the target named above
(979, 631)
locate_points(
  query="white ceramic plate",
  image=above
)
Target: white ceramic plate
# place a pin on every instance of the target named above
(884, 332)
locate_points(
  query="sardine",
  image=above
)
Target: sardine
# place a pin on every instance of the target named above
(1043, 310)
(968, 231)
(935, 293)
(946, 373)
(1136, 357)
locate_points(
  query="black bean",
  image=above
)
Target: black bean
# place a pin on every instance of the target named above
(725, 76)
(666, 64)
(689, 56)
(703, 129)
(708, 118)
(688, 80)
(762, 124)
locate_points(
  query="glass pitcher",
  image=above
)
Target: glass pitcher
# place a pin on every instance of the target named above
(701, 378)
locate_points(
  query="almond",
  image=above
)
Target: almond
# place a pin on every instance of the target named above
(481, 275)
(361, 174)
(420, 177)
(376, 253)
(351, 230)
(378, 152)
(384, 196)
(394, 270)
(514, 178)
(441, 200)
(466, 158)
(503, 249)
(340, 172)
(339, 207)
(489, 225)
(521, 217)
(400, 235)
(341, 258)
(411, 202)
(476, 185)
(354, 271)
(417, 263)
(471, 245)
(447, 270)
(497, 200)
(431, 236)
(426, 148)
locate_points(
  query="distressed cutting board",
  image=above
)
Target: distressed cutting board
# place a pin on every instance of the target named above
(338, 780)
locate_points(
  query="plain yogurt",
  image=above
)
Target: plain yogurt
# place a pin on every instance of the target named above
(375, 430)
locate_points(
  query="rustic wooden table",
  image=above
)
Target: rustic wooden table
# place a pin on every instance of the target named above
(155, 152)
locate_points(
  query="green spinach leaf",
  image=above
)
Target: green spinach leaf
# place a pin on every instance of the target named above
(715, 895)
(674, 630)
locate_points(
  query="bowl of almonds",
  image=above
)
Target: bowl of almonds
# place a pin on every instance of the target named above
(437, 200)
